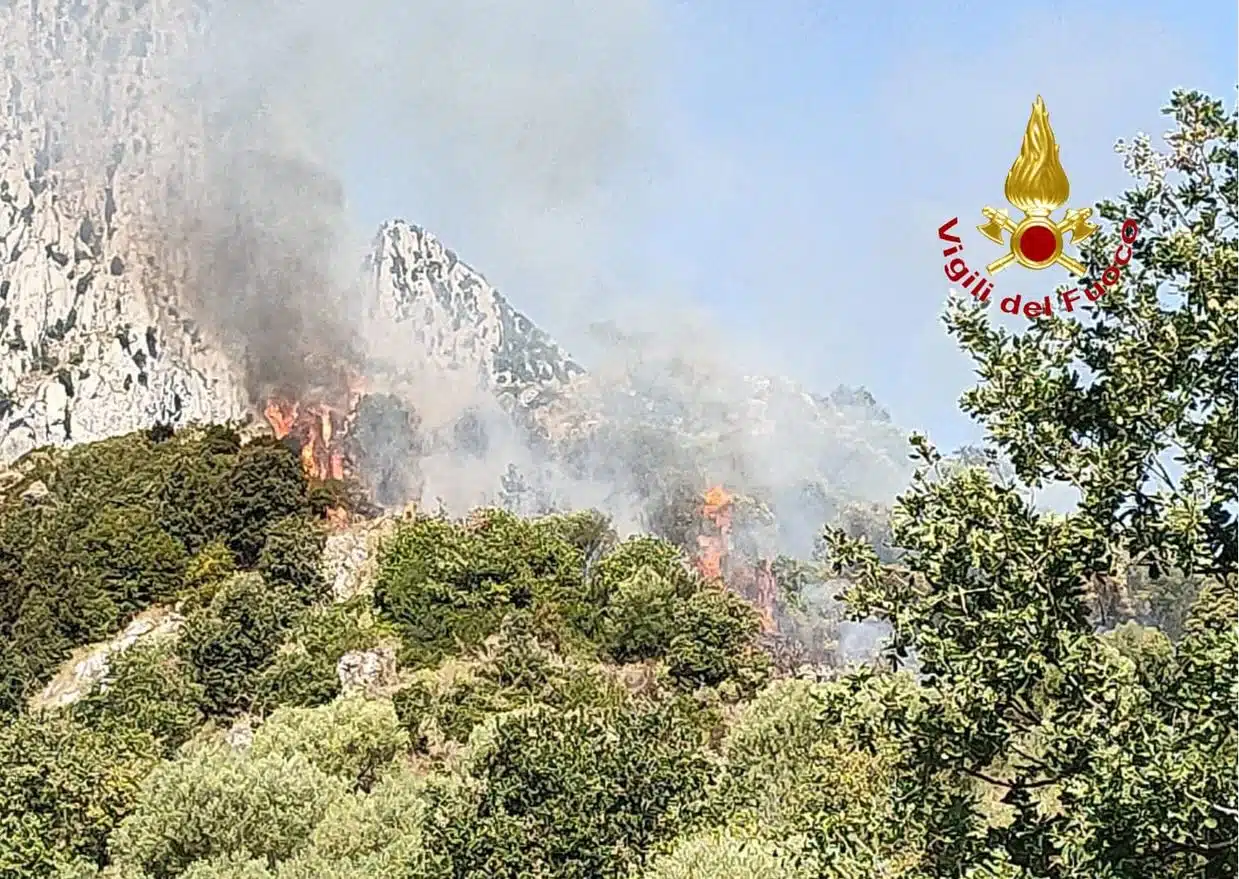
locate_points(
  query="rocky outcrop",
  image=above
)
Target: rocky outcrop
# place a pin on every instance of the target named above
(459, 322)
(367, 671)
(89, 665)
(93, 341)
(350, 557)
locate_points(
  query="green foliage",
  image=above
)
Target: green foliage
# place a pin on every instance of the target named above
(641, 618)
(724, 855)
(63, 788)
(150, 688)
(578, 793)
(1158, 353)
(351, 738)
(128, 522)
(231, 866)
(209, 568)
(444, 584)
(715, 642)
(628, 558)
(219, 801)
(820, 763)
(264, 485)
(292, 557)
(232, 638)
(138, 562)
(512, 672)
(378, 833)
(303, 671)
(1111, 756)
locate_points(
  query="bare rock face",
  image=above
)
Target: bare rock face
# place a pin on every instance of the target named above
(92, 343)
(90, 664)
(350, 557)
(457, 321)
(367, 671)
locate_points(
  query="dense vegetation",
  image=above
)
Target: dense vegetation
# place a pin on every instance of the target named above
(567, 704)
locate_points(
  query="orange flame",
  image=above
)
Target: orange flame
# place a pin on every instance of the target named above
(712, 548)
(318, 427)
(755, 582)
(281, 416)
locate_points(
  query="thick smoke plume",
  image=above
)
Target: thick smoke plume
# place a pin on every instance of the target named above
(242, 121)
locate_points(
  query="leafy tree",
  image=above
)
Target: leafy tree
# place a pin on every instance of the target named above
(148, 687)
(820, 763)
(641, 617)
(376, 833)
(217, 802)
(228, 641)
(725, 855)
(443, 583)
(578, 793)
(1104, 403)
(63, 788)
(138, 562)
(512, 671)
(303, 671)
(351, 738)
(1101, 767)
(265, 485)
(190, 500)
(715, 641)
(292, 557)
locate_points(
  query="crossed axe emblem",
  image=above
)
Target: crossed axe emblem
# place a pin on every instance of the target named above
(1037, 241)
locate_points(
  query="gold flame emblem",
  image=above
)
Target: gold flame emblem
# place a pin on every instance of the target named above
(1037, 186)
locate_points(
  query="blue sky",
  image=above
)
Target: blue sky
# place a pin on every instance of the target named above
(789, 164)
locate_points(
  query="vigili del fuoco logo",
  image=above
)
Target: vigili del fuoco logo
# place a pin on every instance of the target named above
(1036, 186)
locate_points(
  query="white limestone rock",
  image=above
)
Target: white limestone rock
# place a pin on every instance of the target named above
(367, 671)
(92, 343)
(89, 665)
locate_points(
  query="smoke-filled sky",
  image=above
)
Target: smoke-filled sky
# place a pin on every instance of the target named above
(782, 166)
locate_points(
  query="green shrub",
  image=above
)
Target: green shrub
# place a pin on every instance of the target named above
(150, 688)
(303, 672)
(640, 621)
(822, 760)
(137, 562)
(444, 584)
(65, 606)
(209, 568)
(375, 834)
(238, 865)
(228, 641)
(715, 641)
(513, 671)
(292, 556)
(352, 738)
(264, 485)
(579, 793)
(726, 855)
(219, 801)
(627, 559)
(130, 521)
(63, 788)
(190, 502)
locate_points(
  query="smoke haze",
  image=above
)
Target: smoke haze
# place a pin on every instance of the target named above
(538, 123)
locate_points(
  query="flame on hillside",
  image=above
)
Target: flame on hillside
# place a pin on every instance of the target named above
(319, 428)
(712, 546)
(714, 560)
